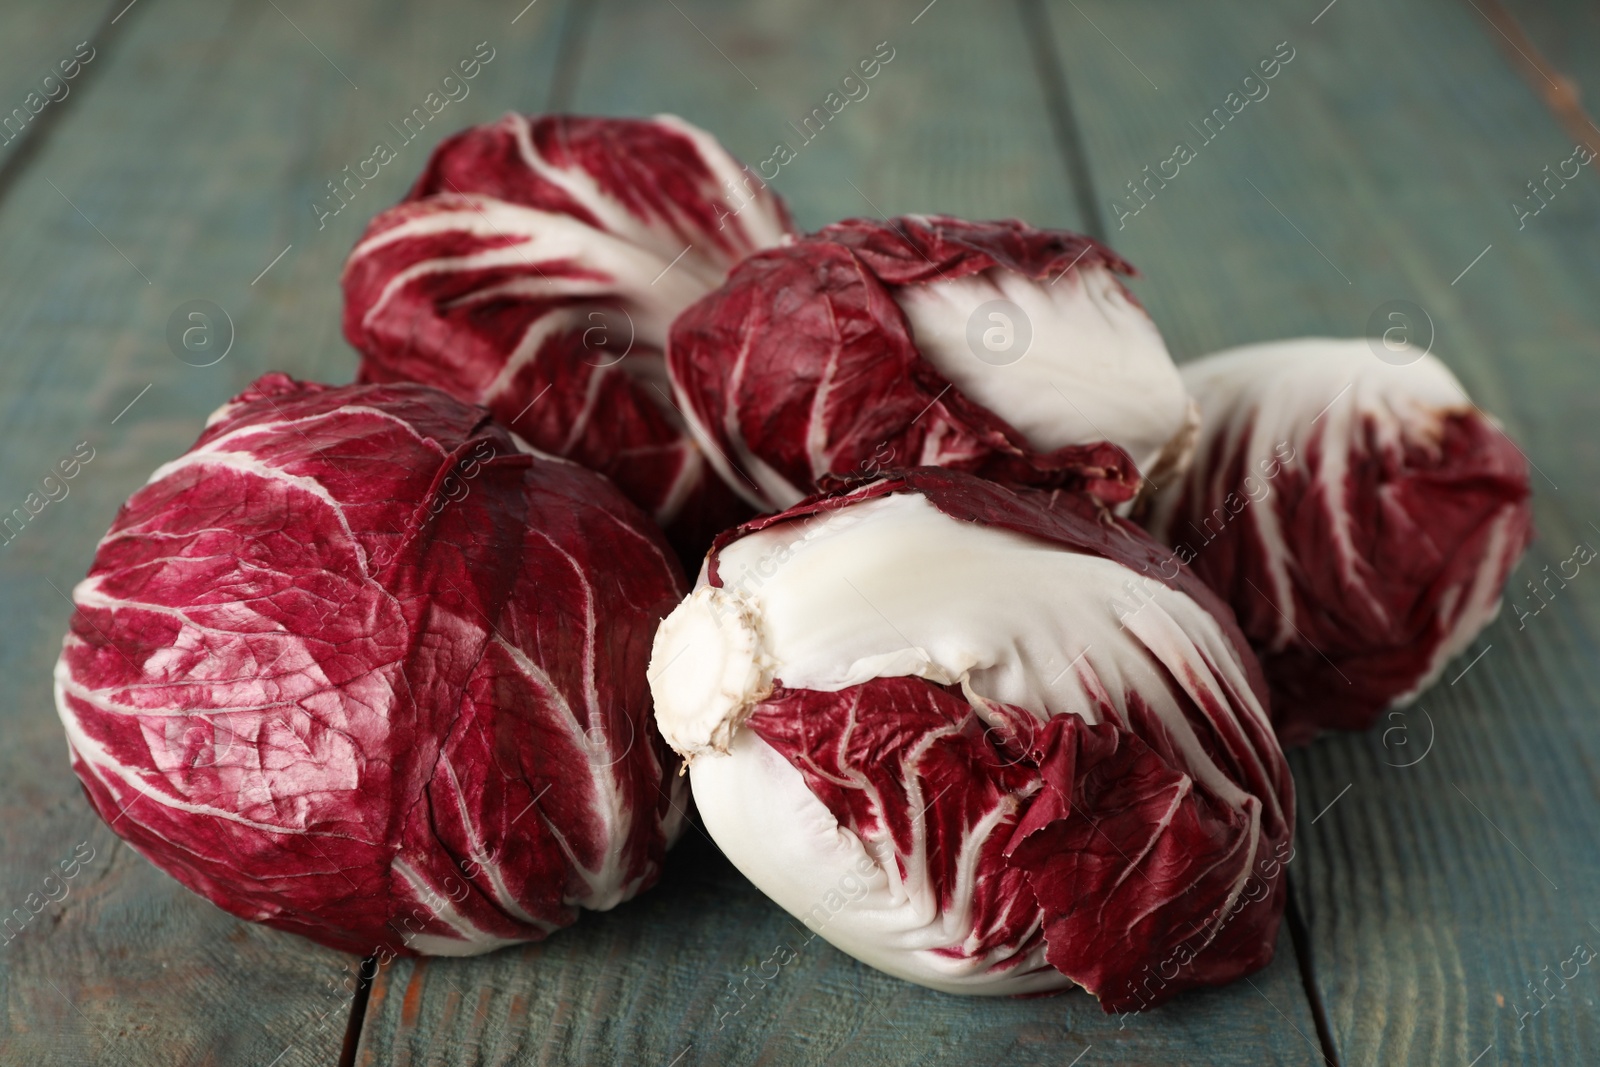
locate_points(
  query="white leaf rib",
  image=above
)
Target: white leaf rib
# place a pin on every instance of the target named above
(247, 464)
(527, 349)
(443, 910)
(614, 217)
(95, 698)
(591, 396)
(496, 875)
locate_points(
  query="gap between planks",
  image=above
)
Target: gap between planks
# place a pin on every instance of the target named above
(1063, 118)
(38, 131)
(1300, 938)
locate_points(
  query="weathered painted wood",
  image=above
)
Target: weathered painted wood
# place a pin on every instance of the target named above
(1556, 45)
(1380, 167)
(654, 982)
(195, 153)
(955, 122)
(40, 41)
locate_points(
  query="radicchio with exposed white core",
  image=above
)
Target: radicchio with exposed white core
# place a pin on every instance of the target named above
(1360, 515)
(979, 740)
(360, 666)
(535, 268)
(857, 349)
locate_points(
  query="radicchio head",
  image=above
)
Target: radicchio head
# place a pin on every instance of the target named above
(991, 347)
(535, 267)
(359, 666)
(991, 742)
(1361, 516)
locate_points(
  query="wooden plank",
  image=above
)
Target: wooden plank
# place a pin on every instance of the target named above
(46, 41)
(1380, 167)
(1555, 44)
(650, 983)
(955, 122)
(193, 159)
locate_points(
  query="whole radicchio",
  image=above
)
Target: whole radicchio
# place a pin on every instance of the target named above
(992, 742)
(1361, 516)
(990, 347)
(535, 267)
(360, 666)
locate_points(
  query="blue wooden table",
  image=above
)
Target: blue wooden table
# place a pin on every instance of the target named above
(1447, 867)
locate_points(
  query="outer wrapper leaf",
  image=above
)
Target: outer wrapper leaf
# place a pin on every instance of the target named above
(359, 667)
(534, 268)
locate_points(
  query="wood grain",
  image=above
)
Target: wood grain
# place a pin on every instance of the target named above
(649, 983)
(195, 152)
(35, 39)
(954, 123)
(1555, 45)
(1381, 164)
